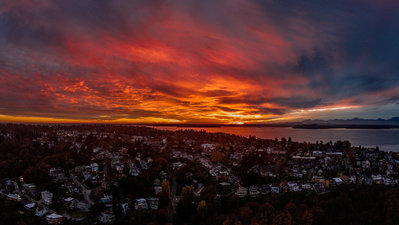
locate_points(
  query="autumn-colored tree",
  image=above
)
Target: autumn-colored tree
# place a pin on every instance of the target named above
(202, 209)
(282, 218)
(187, 195)
(21, 222)
(246, 214)
(301, 214)
(166, 187)
(216, 156)
(317, 214)
(161, 163)
(268, 210)
(290, 207)
(238, 222)
(186, 208)
(391, 207)
(164, 196)
(228, 221)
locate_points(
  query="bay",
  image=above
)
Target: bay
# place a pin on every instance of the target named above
(385, 139)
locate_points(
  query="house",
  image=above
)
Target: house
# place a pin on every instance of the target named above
(264, 189)
(224, 187)
(70, 202)
(207, 146)
(352, 179)
(143, 165)
(334, 154)
(56, 172)
(275, 188)
(120, 168)
(106, 217)
(54, 218)
(96, 149)
(95, 179)
(140, 203)
(125, 208)
(29, 188)
(254, 191)
(242, 192)
(106, 199)
(40, 211)
(83, 206)
(368, 180)
(14, 197)
(337, 180)
(94, 167)
(388, 181)
(278, 152)
(177, 165)
(157, 182)
(47, 197)
(306, 187)
(293, 186)
(157, 189)
(86, 175)
(138, 138)
(304, 157)
(377, 179)
(133, 169)
(366, 164)
(30, 206)
(213, 172)
(163, 174)
(319, 187)
(317, 153)
(153, 203)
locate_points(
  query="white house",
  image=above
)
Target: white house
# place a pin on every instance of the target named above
(47, 197)
(242, 192)
(140, 203)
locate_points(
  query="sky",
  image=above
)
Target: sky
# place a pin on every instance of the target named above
(190, 61)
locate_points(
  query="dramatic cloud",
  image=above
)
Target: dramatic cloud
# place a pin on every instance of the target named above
(210, 61)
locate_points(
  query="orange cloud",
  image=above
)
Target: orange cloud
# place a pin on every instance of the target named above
(180, 61)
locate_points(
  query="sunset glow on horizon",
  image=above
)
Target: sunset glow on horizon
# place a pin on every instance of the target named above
(221, 62)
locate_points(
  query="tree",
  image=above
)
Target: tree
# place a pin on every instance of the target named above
(238, 222)
(202, 209)
(282, 218)
(245, 214)
(317, 214)
(166, 187)
(284, 140)
(186, 208)
(216, 156)
(187, 195)
(227, 221)
(164, 196)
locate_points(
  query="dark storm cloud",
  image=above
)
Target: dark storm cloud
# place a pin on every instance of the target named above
(296, 102)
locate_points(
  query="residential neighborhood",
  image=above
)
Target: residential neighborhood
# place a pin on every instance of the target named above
(108, 177)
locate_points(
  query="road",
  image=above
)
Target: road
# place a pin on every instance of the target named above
(85, 191)
(172, 203)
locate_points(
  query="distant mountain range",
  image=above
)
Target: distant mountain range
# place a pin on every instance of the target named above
(392, 121)
(355, 123)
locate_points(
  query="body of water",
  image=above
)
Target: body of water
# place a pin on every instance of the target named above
(385, 139)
